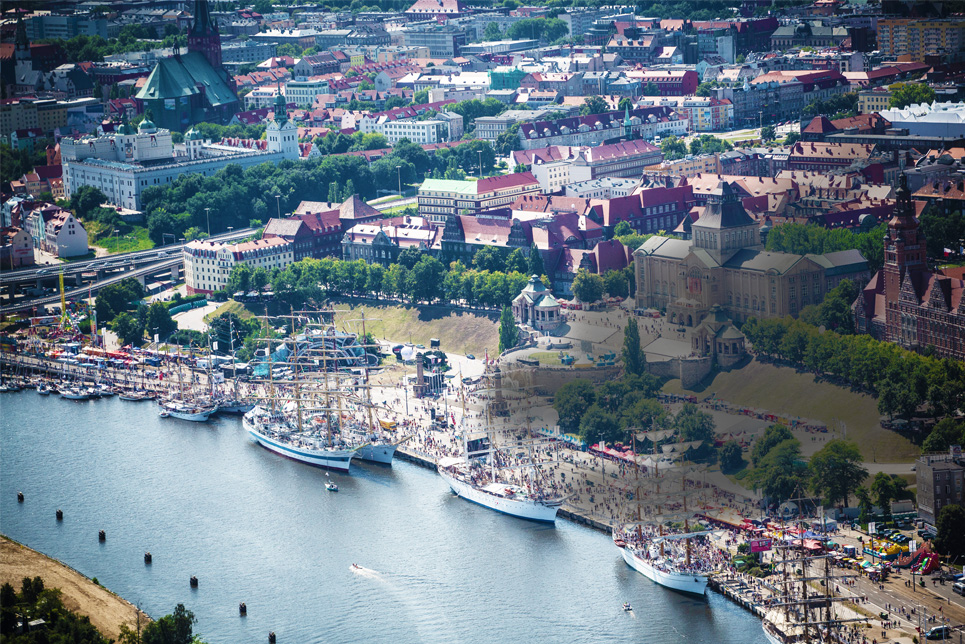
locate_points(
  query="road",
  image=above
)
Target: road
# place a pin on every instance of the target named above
(140, 256)
(82, 291)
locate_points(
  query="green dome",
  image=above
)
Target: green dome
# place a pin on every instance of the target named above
(147, 126)
(192, 135)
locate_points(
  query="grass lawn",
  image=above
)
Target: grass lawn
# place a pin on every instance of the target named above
(547, 357)
(783, 390)
(128, 238)
(399, 210)
(78, 258)
(458, 331)
(230, 307)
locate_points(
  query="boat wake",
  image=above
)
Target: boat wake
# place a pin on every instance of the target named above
(367, 572)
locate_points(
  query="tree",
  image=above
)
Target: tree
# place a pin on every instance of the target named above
(779, 473)
(792, 138)
(86, 199)
(883, 492)
(616, 283)
(950, 526)
(516, 262)
(673, 148)
(650, 89)
(768, 133)
(175, 628)
(599, 425)
(730, 457)
(626, 103)
(634, 360)
(159, 320)
(128, 331)
(115, 298)
(773, 435)
(535, 261)
(863, 495)
(508, 332)
(571, 402)
(489, 258)
(836, 471)
(693, 424)
(594, 105)
(587, 286)
(239, 279)
(704, 89)
(905, 94)
(409, 257)
(426, 279)
(492, 32)
(947, 432)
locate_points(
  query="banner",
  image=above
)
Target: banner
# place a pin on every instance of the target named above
(760, 545)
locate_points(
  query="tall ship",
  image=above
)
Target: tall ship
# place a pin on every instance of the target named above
(663, 544)
(476, 477)
(659, 559)
(278, 432)
(804, 610)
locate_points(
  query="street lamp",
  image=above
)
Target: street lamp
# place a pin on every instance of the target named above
(207, 217)
(480, 164)
(398, 170)
(115, 239)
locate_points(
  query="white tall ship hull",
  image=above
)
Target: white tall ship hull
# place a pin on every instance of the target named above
(522, 508)
(772, 638)
(336, 459)
(381, 454)
(685, 582)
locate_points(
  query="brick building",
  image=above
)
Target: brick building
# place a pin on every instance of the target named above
(906, 303)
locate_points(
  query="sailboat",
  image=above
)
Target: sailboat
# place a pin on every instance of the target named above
(182, 407)
(475, 478)
(235, 404)
(285, 431)
(659, 549)
(804, 613)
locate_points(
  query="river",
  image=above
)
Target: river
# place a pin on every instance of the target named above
(256, 528)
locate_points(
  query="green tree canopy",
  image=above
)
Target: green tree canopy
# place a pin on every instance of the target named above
(571, 402)
(772, 436)
(905, 94)
(950, 527)
(634, 360)
(508, 332)
(587, 286)
(836, 471)
(730, 456)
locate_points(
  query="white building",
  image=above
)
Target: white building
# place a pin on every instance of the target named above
(207, 265)
(938, 119)
(552, 176)
(303, 92)
(57, 232)
(123, 164)
(606, 188)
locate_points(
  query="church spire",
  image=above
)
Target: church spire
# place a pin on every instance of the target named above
(904, 210)
(202, 19)
(203, 36)
(21, 45)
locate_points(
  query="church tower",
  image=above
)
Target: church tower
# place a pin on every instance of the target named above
(23, 61)
(904, 254)
(627, 125)
(725, 227)
(281, 133)
(203, 36)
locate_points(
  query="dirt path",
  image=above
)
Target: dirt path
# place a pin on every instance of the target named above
(106, 610)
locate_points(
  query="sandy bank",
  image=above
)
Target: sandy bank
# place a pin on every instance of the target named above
(106, 610)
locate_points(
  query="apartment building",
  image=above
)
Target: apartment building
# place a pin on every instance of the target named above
(207, 265)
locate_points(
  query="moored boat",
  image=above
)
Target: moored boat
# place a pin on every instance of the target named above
(276, 433)
(188, 411)
(502, 497)
(664, 569)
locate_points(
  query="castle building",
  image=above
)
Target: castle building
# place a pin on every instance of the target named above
(906, 303)
(723, 264)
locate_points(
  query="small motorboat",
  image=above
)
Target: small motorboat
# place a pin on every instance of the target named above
(331, 487)
(627, 607)
(164, 413)
(43, 390)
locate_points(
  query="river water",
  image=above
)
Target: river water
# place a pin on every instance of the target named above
(256, 528)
